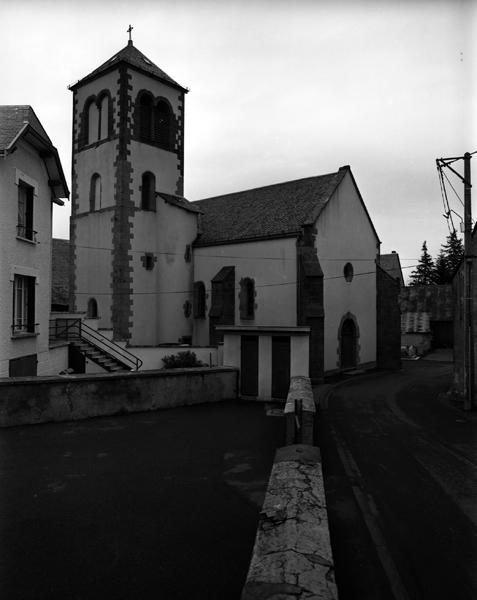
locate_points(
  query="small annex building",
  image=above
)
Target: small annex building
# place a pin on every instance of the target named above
(283, 276)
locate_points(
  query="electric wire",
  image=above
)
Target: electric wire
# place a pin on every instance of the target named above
(208, 290)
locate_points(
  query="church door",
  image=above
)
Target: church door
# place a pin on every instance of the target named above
(348, 344)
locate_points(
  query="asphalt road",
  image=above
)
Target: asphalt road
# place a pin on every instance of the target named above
(400, 465)
(152, 505)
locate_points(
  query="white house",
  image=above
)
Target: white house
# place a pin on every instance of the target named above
(31, 180)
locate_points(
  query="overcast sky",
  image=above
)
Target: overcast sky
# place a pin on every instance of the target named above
(278, 91)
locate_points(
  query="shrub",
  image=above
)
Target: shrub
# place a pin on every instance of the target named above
(181, 360)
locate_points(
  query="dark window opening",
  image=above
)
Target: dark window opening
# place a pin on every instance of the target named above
(92, 309)
(162, 125)
(23, 305)
(199, 300)
(145, 117)
(148, 262)
(24, 366)
(95, 193)
(148, 191)
(348, 272)
(247, 299)
(103, 119)
(25, 212)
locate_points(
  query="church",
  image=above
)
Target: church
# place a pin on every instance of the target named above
(283, 279)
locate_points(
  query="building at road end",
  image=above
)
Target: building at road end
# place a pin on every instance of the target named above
(31, 180)
(283, 275)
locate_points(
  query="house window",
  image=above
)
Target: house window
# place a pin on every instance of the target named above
(25, 212)
(23, 305)
(348, 272)
(199, 300)
(247, 299)
(148, 191)
(95, 193)
(162, 125)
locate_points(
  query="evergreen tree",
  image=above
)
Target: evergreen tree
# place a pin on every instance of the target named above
(441, 270)
(424, 272)
(449, 258)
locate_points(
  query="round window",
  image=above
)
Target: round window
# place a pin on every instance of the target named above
(348, 272)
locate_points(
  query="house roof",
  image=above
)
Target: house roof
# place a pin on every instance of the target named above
(61, 262)
(13, 118)
(20, 122)
(392, 265)
(278, 210)
(134, 58)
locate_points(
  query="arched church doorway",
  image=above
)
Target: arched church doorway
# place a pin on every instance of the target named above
(348, 344)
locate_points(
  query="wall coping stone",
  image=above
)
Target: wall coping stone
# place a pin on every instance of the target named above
(292, 557)
(48, 379)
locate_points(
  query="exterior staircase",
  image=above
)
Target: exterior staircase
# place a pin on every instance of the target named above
(93, 345)
(99, 356)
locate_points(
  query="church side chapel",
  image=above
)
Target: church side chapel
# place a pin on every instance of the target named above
(281, 278)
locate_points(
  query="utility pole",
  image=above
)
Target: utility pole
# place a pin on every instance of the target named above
(469, 366)
(468, 307)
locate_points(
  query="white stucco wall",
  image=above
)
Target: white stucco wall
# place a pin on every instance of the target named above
(94, 231)
(270, 263)
(344, 234)
(160, 294)
(24, 257)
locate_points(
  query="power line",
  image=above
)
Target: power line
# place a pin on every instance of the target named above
(228, 256)
(208, 290)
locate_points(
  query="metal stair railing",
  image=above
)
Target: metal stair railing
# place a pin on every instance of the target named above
(76, 329)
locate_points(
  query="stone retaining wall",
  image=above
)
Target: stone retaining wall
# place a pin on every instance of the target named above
(30, 400)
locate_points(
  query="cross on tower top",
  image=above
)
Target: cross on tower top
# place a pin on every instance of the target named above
(129, 29)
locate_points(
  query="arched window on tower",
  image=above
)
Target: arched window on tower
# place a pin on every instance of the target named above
(95, 193)
(148, 191)
(92, 309)
(163, 124)
(104, 117)
(144, 113)
(93, 123)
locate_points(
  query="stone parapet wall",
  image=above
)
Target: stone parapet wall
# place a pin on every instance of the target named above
(292, 555)
(31, 400)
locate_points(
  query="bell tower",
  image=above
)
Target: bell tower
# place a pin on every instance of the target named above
(130, 225)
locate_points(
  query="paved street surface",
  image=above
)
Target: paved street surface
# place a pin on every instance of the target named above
(151, 505)
(401, 476)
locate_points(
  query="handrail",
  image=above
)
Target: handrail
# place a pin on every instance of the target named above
(77, 329)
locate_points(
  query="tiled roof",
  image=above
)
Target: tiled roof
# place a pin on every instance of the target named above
(392, 265)
(60, 288)
(179, 201)
(132, 56)
(271, 211)
(12, 120)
